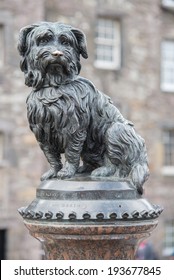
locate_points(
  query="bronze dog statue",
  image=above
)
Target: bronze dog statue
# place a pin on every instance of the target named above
(69, 115)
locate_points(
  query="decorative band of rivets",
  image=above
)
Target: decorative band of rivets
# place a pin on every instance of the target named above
(87, 216)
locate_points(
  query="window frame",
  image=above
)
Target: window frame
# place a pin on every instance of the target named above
(167, 66)
(114, 42)
(6, 153)
(6, 20)
(2, 140)
(169, 4)
(168, 151)
(169, 238)
(2, 44)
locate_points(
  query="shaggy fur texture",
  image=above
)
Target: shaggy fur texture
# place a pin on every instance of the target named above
(69, 115)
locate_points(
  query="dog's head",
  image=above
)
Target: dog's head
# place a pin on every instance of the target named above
(50, 53)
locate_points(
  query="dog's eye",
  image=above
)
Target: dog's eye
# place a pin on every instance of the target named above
(64, 41)
(44, 40)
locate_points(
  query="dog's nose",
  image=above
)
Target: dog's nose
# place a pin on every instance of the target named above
(57, 53)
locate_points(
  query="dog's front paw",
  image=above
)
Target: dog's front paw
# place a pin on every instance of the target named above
(51, 173)
(66, 172)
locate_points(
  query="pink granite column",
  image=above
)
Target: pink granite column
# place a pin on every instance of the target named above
(86, 242)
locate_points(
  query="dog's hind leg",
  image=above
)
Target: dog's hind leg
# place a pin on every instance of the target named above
(126, 149)
(108, 169)
(85, 168)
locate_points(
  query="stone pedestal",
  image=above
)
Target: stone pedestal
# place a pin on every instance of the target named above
(82, 219)
(110, 241)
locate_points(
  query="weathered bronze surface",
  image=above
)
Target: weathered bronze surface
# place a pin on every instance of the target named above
(85, 200)
(69, 115)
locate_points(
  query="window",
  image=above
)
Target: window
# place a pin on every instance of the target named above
(168, 144)
(2, 45)
(108, 44)
(169, 4)
(167, 66)
(1, 146)
(169, 238)
(6, 38)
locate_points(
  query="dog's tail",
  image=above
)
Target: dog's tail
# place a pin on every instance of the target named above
(139, 174)
(127, 150)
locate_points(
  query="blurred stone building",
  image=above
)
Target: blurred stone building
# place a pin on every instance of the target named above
(131, 58)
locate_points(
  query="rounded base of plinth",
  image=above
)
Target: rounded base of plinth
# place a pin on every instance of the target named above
(83, 218)
(113, 241)
(84, 199)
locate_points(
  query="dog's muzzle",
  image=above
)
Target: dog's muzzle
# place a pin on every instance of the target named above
(49, 54)
(57, 53)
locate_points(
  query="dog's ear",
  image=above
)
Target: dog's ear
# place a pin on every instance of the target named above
(22, 41)
(81, 39)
